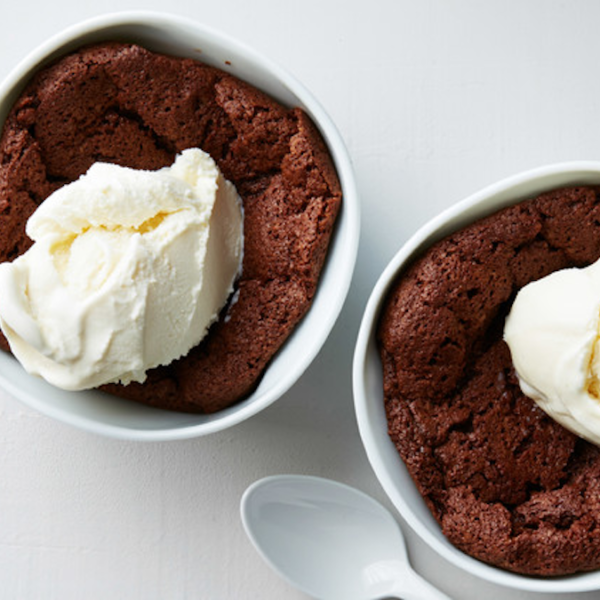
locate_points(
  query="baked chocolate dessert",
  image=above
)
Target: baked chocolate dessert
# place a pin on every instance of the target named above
(122, 104)
(507, 484)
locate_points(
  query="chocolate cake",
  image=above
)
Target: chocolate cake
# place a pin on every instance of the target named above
(122, 104)
(507, 484)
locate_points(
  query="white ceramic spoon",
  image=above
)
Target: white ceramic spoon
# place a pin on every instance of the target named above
(330, 540)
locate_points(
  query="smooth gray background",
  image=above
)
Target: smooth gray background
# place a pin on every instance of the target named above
(435, 99)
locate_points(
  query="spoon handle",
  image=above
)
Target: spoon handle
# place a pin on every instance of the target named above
(411, 586)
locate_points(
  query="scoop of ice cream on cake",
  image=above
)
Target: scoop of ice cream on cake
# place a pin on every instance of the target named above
(553, 335)
(128, 271)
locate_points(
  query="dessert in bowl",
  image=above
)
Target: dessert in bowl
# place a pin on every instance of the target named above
(481, 473)
(147, 102)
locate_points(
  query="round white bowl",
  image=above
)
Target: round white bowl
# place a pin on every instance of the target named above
(109, 415)
(368, 381)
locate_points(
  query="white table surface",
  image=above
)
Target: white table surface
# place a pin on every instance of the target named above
(435, 99)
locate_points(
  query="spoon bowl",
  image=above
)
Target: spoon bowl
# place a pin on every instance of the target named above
(330, 540)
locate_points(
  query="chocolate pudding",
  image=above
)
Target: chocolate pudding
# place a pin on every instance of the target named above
(122, 104)
(507, 484)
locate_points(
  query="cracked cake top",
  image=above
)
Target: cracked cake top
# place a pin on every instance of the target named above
(122, 104)
(507, 484)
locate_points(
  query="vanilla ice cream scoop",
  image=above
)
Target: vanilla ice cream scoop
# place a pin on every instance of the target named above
(128, 271)
(553, 334)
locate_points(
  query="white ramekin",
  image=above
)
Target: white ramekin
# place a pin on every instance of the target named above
(368, 380)
(104, 414)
